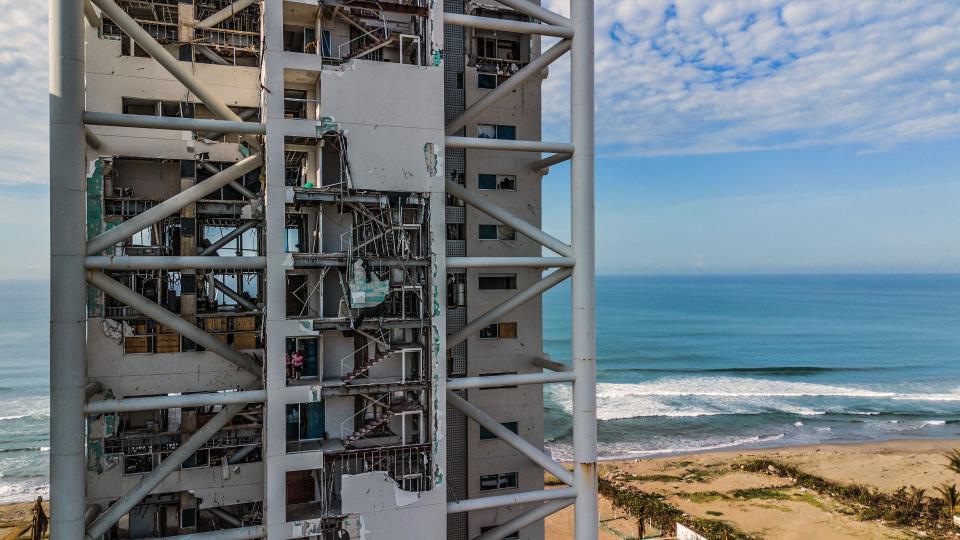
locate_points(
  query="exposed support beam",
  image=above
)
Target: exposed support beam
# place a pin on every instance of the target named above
(551, 365)
(174, 263)
(507, 25)
(229, 237)
(542, 165)
(225, 516)
(497, 262)
(479, 143)
(172, 122)
(234, 295)
(245, 115)
(537, 12)
(516, 441)
(224, 14)
(241, 533)
(533, 69)
(153, 479)
(527, 518)
(92, 140)
(352, 22)
(524, 497)
(481, 203)
(106, 406)
(211, 55)
(91, 514)
(242, 453)
(93, 389)
(237, 186)
(121, 293)
(176, 68)
(93, 18)
(507, 306)
(172, 205)
(493, 381)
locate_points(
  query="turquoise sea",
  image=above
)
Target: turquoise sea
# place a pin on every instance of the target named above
(698, 363)
(684, 364)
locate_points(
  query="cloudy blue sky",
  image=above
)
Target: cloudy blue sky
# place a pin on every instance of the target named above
(733, 136)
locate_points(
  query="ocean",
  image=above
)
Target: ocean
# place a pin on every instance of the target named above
(722, 362)
(684, 364)
(24, 389)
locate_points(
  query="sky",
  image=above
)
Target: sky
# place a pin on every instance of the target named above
(733, 136)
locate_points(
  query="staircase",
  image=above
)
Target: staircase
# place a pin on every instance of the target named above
(380, 418)
(364, 369)
(380, 35)
(355, 21)
(378, 44)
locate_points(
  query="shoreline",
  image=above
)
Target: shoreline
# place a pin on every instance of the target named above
(744, 448)
(728, 487)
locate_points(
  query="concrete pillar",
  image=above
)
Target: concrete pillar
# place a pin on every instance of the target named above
(188, 246)
(68, 288)
(274, 436)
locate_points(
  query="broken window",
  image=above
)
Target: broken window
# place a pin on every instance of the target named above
(490, 482)
(501, 182)
(507, 330)
(490, 81)
(188, 518)
(497, 232)
(144, 107)
(487, 436)
(155, 107)
(498, 48)
(296, 233)
(497, 281)
(491, 131)
(295, 104)
(486, 80)
(297, 293)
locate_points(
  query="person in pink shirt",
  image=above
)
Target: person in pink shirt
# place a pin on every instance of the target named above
(297, 363)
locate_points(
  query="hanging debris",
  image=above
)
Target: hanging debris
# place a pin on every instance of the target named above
(366, 289)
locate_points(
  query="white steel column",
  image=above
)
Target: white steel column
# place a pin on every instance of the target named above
(274, 425)
(583, 317)
(68, 287)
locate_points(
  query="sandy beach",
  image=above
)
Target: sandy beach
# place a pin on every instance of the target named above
(722, 487)
(761, 504)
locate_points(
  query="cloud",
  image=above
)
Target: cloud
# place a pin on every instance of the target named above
(673, 77)
(699, 77)
(24, 98)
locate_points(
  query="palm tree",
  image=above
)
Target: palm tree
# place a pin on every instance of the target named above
(953, 460)
(951, 498)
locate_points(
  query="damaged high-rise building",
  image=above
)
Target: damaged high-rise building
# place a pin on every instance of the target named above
(296, 263)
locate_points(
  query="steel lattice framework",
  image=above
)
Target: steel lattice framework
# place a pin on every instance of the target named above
(76, 262)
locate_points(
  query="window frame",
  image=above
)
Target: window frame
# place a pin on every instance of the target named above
(511, 282)
(497, 131)
(483, 179)
(512, 425)
(503, 481)
(498, 328)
